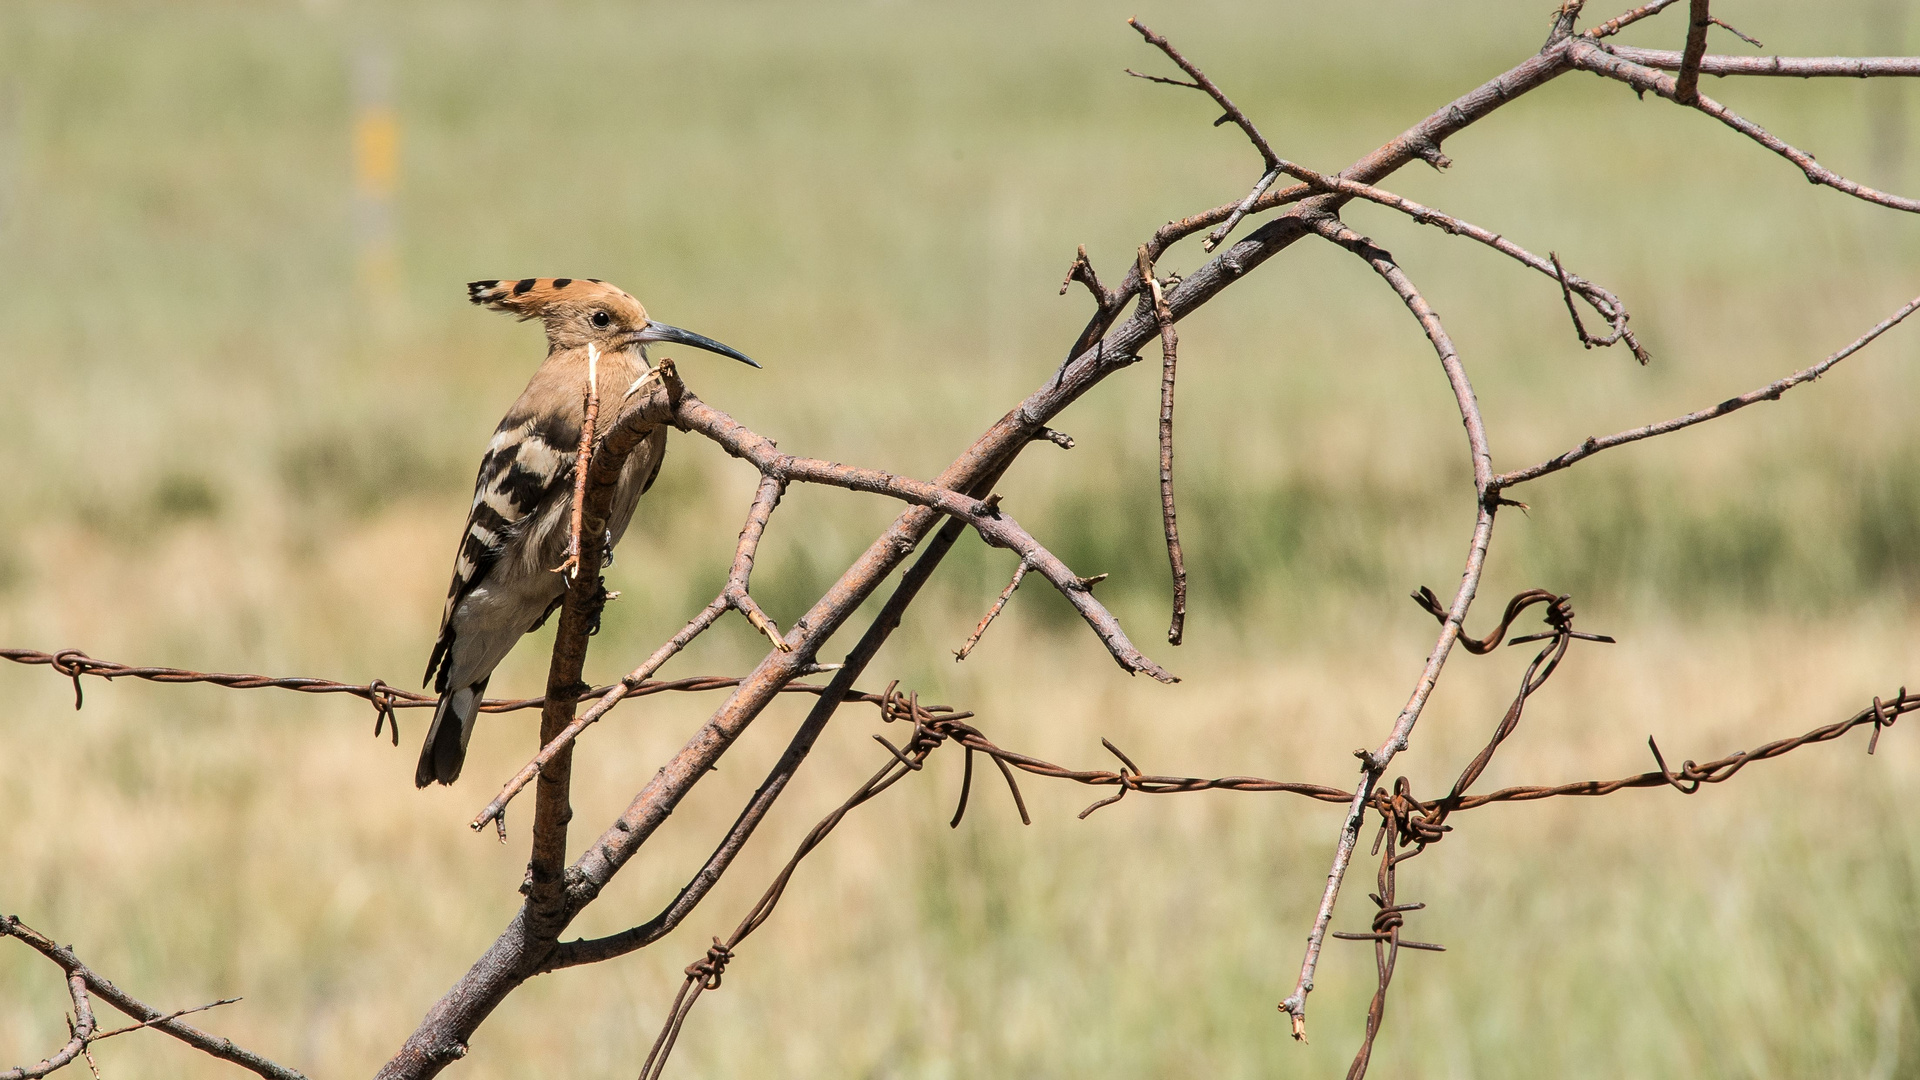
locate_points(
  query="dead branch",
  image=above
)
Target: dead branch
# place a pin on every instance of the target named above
(993, 525)
(1797, 67)
(1169, 518)
(1229, 111)
(1019, 571)
(1375, 764)
(1615, 25)
(519, 952)
(80, 1026)
(1589, 57)
(876, 634)
(1769, 392)
(583, 458)
(82, 981)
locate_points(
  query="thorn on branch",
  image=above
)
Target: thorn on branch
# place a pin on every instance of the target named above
(1722, 24)
(1166, 82)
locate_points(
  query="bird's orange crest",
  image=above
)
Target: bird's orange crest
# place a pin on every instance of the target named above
(534, 298)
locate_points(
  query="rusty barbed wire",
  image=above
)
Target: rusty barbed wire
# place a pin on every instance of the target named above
(385, 698)
(1405, 821)
(1408, 821)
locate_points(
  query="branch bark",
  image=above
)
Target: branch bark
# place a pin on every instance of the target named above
(98, 986)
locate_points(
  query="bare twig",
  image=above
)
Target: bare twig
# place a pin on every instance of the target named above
(1246, 206)
(801, 745)
(704, 974)
(1082, 271)
(1230, 111)
(1769, 392)
(1375, 764)
(1797, 67)
(99, 987)
(993, 525)
(1590, 57)
(79, 1034)
(1019, 571)
(1615, 25)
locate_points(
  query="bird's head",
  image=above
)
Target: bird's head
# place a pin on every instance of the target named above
(584, 311)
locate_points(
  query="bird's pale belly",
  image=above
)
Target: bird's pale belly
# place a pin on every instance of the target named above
(493, 616)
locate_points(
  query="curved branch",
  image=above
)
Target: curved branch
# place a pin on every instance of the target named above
(1374, 765)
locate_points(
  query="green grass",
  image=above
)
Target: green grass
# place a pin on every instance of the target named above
(242, 430)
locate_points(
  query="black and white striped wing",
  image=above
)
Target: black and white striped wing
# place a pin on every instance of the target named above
(528, 465)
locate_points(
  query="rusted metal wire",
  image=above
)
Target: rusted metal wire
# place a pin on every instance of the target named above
(385, 698)
(1408, 825)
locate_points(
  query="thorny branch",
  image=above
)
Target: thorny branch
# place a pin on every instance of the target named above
(961, 498)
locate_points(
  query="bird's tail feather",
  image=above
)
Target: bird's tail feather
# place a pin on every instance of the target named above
(445, 749)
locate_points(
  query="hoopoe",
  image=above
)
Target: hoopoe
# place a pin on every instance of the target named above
(504, 584)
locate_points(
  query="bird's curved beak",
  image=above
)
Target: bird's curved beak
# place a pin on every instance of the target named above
(659, 331)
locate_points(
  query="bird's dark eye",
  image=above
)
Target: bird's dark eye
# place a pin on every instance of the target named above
(602, 320)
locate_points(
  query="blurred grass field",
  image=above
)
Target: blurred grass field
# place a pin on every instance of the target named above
(243, 398)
